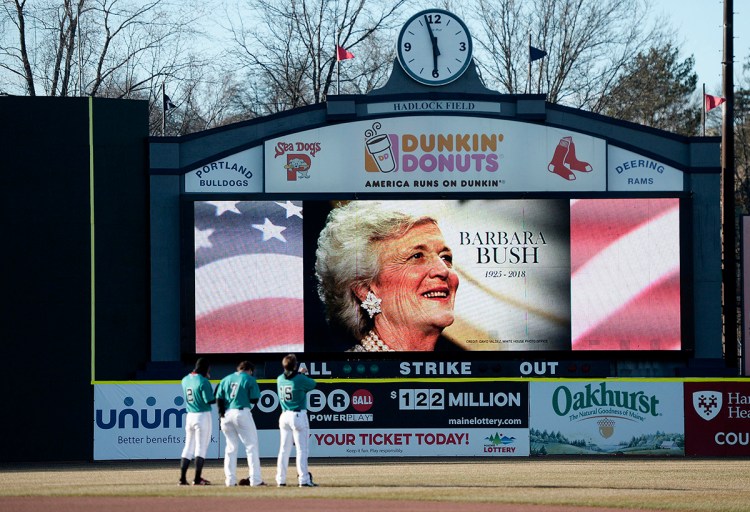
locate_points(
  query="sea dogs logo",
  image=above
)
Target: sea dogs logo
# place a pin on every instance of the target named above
(299, 157)
(499, 443)
(565, 160)
(379, 155)
(707, 404)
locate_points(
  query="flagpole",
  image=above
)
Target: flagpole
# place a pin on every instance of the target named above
(727, 169)
(703, 118)
(163, 110)
(528, 82)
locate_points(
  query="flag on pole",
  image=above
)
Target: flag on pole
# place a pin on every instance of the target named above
(168, 105)
(343, 54)
(536, 54)
(713, 101)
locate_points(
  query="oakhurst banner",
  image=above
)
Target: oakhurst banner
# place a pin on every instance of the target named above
(606, 417)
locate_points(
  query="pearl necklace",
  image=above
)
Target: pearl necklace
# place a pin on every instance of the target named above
(372, 343)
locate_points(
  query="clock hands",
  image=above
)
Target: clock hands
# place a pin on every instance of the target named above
(435, 49)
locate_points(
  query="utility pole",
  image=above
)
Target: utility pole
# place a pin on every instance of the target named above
(727, 170)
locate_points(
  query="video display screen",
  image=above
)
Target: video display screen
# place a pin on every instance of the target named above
(437, 275)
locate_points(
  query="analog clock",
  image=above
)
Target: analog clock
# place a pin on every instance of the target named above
(434, 47)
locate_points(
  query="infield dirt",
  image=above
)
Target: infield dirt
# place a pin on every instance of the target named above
(536, 485)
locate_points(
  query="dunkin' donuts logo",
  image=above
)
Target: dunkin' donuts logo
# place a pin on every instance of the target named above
(707, 404)
(299, 157)
(423, 153)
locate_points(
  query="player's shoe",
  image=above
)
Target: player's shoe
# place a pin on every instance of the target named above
(310, 481)
(183, 482)
(262, 484)
(280, 485)
(245, 481)
(202, 481)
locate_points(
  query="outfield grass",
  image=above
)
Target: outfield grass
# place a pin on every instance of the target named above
(715, 485)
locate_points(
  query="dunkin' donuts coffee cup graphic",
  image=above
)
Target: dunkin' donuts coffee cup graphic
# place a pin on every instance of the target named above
(379, 148)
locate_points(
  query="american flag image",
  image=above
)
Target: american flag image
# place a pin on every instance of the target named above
(248, 276)
(625, 274)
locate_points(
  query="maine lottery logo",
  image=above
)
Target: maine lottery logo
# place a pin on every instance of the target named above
(499, 443)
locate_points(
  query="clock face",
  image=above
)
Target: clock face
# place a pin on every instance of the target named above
(434, 47)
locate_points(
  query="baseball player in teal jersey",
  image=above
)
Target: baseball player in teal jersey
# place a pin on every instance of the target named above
(293, 387)
(236, 395)
(198, 397)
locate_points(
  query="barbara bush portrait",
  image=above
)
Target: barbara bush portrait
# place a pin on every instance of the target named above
(387, 276)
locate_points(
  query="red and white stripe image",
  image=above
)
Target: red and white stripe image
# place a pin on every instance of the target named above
(625, 274)
(248, 277)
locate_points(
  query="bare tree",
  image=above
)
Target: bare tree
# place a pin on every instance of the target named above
(291, 47)
(588, 43)
(50, 59)
(742, 140)
(114, 48)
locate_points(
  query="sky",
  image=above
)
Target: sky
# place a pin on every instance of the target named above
(700, 31)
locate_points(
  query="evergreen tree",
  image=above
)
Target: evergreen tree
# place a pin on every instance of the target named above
(657, 90)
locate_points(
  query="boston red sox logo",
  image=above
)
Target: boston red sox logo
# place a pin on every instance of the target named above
(564, 160)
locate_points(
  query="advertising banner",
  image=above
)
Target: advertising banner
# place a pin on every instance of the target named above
(435, 154)
(606, 417)
(143, 421)
(146, 421)
(241, 172)
(717, 419)
(628, 171)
